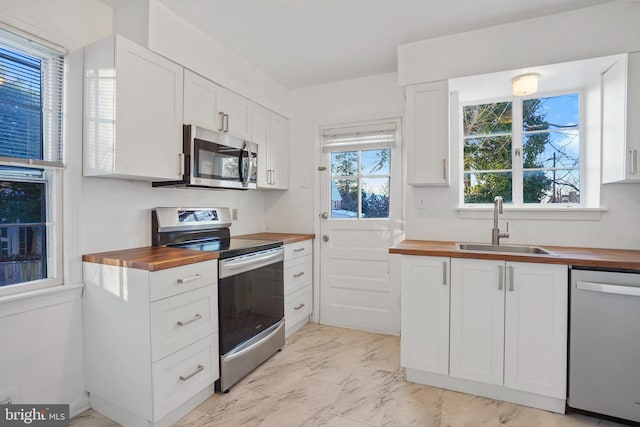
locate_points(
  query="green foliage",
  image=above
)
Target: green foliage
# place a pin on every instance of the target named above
(21, 202)
(491, 150)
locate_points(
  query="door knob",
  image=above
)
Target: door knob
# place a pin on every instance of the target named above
(324, 215)
(325, 238)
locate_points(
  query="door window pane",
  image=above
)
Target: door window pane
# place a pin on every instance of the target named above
(557, 112)
(375, 197)
(344, 198)
(344, 163)
(487, 119)
(376, 162)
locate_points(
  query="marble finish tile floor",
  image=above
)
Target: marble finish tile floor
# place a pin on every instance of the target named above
(335, 377)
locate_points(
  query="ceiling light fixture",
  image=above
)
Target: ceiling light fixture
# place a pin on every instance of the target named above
(525, 84)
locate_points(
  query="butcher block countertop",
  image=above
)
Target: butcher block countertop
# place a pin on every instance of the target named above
(576, 257)
(286, 238)
(152, 258)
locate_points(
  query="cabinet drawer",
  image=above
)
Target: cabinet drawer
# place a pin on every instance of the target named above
(298, 305)
(297, 250)
(178, 377)
(297, 273)
(174, 281)
(178, 321)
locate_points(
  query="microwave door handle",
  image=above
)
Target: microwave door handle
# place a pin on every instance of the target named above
(240, 165)
(250, 163)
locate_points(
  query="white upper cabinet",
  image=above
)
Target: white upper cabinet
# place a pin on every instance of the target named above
(201, 101)
(427, 134)
(213, 107)
(620, 124)
(271, 132)
(234, 115)
(132, 112)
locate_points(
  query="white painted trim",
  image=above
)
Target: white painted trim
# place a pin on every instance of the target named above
(80, 405)
(566, 213)
(26, 301)
(487, 390)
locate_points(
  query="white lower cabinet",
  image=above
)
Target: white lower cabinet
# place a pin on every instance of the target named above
(503, 328)
(424, 343)
(151, 341)
(298, 285)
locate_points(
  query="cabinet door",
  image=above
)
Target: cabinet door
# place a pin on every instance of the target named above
(620, 128)
(427, 134)
(260, 118)
(536, 328)
(424, 341)
(236, 109)
(279, 152)
(477, 320)
(149, 94)
(201, 99)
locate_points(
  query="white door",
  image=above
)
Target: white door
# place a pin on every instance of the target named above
(361, 204)
(535, 355)
(424, 343)
(477, 320)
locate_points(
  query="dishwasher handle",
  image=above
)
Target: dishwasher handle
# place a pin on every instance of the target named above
(609, 289)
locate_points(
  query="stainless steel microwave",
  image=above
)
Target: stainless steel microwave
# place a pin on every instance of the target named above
(214, 160)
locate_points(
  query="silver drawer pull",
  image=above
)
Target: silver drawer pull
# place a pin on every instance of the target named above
(186, 322)
(199, 369)
(299, 274)
(298, 307)
(190, 279)
(298, 250)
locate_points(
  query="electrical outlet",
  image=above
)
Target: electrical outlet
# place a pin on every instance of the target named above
(234, 214)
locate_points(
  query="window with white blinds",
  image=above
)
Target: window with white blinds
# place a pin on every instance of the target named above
(360, 161)
(31, 163)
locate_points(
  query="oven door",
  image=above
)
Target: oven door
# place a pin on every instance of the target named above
(250, 296)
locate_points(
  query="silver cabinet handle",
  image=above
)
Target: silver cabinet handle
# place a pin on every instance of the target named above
(510, 278)
(199, 369)
(189, 279)
(186, 322)
(181, 164)
(302, 249)
(444, 169)
(633, 154)
(226, 122)
(500, 277)
(298, 307)
(221, 116)
(269, 180)
(299, 274)
(444, 273)
(273, 175)
(609, 289)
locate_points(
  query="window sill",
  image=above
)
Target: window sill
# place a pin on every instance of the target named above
(531, 213)
(32, 300)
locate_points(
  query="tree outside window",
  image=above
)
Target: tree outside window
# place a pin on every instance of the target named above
(527, 157)
(360, 183)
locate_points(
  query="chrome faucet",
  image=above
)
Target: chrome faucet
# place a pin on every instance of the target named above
(495, 232)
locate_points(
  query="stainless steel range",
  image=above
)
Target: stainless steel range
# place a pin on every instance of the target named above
(250, 285)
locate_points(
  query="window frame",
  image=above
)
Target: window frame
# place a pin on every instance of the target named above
(517, 142)
(51, 165)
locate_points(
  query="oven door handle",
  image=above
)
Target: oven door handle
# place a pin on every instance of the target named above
(237, 264)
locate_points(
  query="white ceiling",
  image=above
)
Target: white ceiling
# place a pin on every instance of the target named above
(307, 42)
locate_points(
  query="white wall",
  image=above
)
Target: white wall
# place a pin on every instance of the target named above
(146, 22)
(600, 30)
(312, 107)
(42, 359)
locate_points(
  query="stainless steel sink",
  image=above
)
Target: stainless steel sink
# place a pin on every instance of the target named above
(482, 247)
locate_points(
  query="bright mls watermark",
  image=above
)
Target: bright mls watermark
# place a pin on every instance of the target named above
(34, 415)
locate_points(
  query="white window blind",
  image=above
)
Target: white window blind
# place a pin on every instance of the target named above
(31, 99)
(359, 137)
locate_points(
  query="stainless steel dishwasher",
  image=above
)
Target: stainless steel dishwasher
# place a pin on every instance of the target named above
(604, 351)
